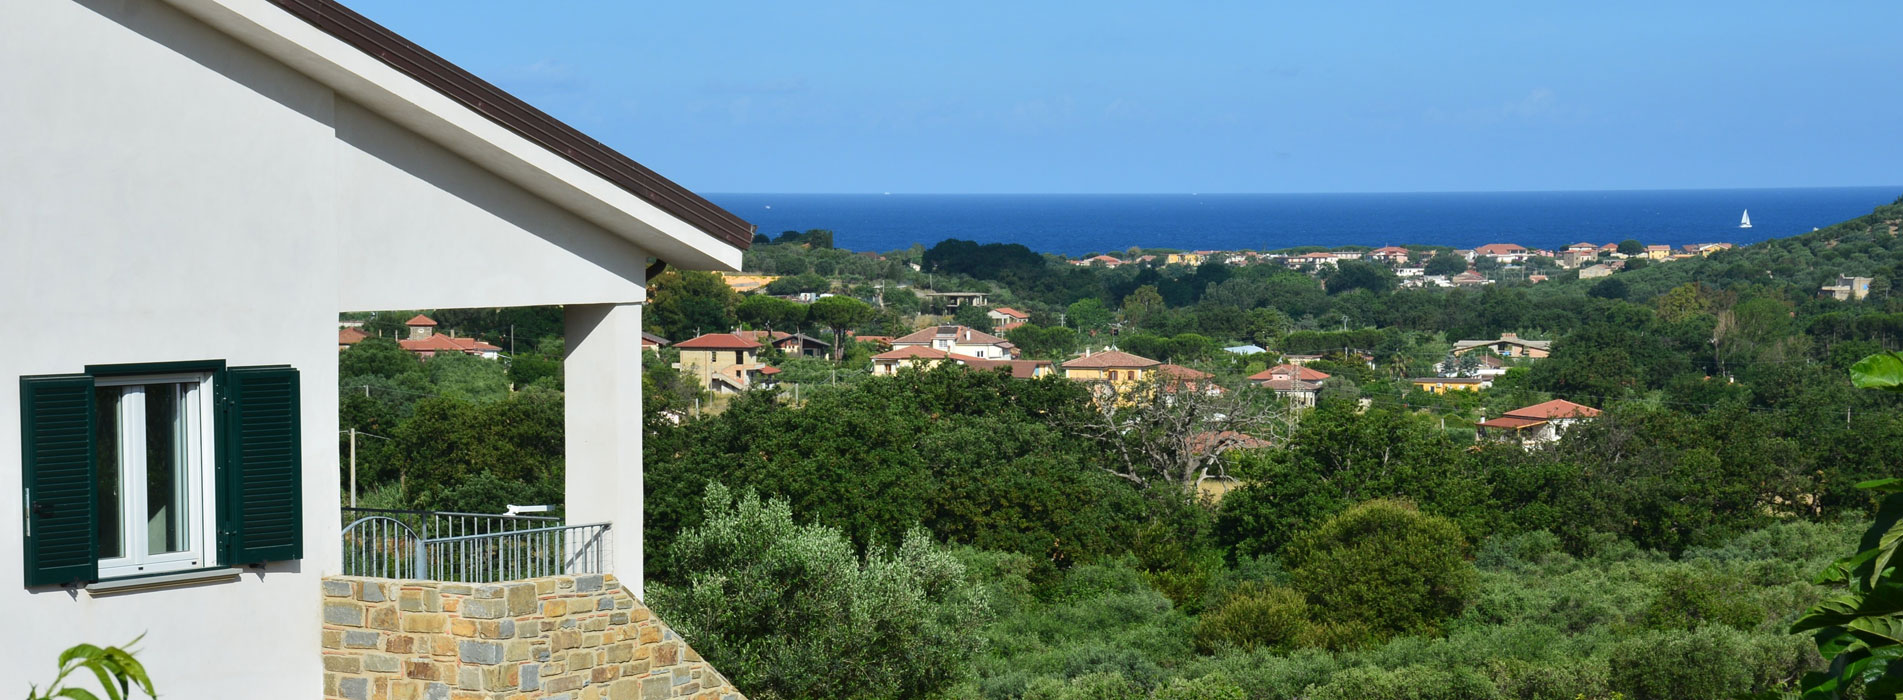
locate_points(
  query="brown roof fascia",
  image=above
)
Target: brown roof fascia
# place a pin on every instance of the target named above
(514, 114)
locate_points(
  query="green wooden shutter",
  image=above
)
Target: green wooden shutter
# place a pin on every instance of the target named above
(260, 504)
(60, 487)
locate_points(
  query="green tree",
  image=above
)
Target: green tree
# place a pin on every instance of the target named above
(1356, 274)
(839, 314)
(1446, 264)
(794, 612)
(1384, 567)
(686, 303)
(770, 313)
(1631, 246)
(1143, 306)
(1088, 314)
(974, 317)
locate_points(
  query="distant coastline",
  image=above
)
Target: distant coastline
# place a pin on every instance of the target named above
(1076, 225)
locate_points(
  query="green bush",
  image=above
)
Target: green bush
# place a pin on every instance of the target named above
(792, 611)
(1204, 688)
(1408, 683)
(1687, 599)
(1255, 616)
(1384, 566)
(1095, 686)
(1709, 663)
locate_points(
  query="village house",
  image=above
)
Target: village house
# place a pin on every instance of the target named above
(1190, 259)
(347, 337)
(1486, 365)
(956, 299)
(1595, 271)
(249, 171)
(651, 341)
(1394, 255)
(960, 340)
(1115, 367)
(1508, 345)
(723, 363)
(1313, 260)
(1848, 288)
(1300, 385)
(888, 363)
(1502, 252)
(1005, 318)
(1470, 278)
(427, 343)
(1537, 424)
(1180, 378)
(1103, 260)
(1658, 252)
(1442, 385)
(792, 344)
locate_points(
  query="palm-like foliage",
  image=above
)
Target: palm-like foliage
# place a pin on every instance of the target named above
(115, 668)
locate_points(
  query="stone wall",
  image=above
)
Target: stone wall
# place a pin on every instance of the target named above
(558, 638)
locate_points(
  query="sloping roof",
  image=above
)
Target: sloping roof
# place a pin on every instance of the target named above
(473, 344)
(1111, 359)
(420, 320)
(1388, 250)
(647, 337)
(1557, 408)
(1008, 311)
(350, 336)
(909, 352)
(1181, 373)
(1500, 249)
(1510, 422)
(718, 341)
(1020, 369)
(517, 116)
(962, 335)
(1535, 344)
(1302, 373)
(434, 343)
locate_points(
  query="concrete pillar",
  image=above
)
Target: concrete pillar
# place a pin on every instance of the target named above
(602, 373)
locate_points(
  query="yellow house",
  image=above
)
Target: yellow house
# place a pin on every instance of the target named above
(1190, 259)
(1442, 385)
(1113, 366)
(723, 362)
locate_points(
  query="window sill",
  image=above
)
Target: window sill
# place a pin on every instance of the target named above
(182, 578)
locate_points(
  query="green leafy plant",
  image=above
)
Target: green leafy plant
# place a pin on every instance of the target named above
(117, 671)
(1860, 631)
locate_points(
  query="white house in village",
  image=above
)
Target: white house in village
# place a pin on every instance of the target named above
(217, 180)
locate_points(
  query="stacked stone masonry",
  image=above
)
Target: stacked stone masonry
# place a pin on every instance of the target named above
(557, 638)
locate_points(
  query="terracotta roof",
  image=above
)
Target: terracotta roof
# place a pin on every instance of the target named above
(1388, 250)
(1302, 373)
(1020, 369)
(434, 343)
(908, 352)
(769, 370)
(959, 334)
(1181, 373)
(1500, 249)
(761, 336)
(350, 336)
(1008, 311)
(419, 320)
(1557, 408)
(718, 341)
(472, 344)
(1510, 422)
(1109, 359)
(512, 113)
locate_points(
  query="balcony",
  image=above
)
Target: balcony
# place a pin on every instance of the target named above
(470, 547)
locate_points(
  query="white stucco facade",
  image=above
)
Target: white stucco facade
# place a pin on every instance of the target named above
(169, 193)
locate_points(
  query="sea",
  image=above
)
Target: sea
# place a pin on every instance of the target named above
(1076, 224)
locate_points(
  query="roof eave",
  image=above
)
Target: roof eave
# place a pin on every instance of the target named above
(274, 30)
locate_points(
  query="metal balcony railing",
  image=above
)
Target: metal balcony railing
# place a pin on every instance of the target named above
(469, 547)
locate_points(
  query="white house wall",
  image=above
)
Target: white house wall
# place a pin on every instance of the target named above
(167, 193)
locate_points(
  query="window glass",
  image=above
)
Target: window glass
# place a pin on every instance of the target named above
(152, 472)
(165, 463)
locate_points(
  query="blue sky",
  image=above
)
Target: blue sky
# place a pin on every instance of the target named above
(1111, 96)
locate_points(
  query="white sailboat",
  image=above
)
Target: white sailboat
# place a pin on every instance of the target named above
(1746, 223)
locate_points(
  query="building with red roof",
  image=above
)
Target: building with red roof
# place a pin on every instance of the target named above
(1538, 424)
(961, 340)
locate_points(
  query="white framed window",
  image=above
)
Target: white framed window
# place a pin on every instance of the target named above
(155, 462)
